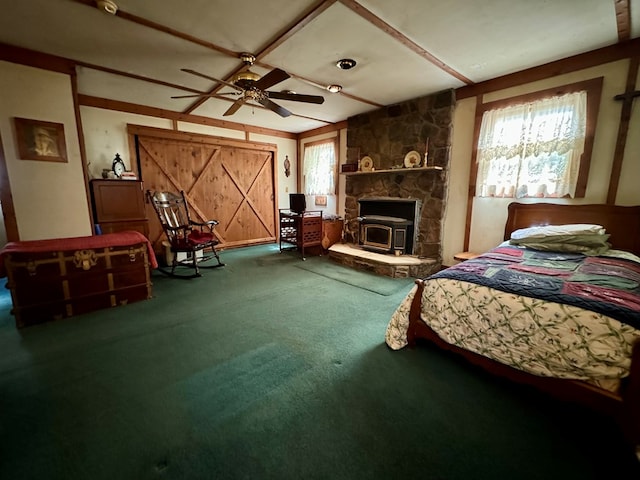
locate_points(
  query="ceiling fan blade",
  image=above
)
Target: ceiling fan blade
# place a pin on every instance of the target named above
(234, 108)
(270, 79)
(283, 112)
(296, 97)
(192, 96)
(213, 79)
(210, 95)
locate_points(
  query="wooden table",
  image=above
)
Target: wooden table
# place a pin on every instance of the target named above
(462, 256)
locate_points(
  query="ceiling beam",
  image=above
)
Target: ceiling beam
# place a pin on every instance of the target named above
(164, 29)
(322, 130)
(410, 44)
(136, 77)
(173, 115)
(45, 61)
(623, 20)
(24, 56)
(304, 20)
(312, 13)
(612, 53)
(279, 39)
(107, 104)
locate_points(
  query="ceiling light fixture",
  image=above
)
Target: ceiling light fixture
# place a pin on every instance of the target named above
(334, 88)
(107, 6)
(346, 64)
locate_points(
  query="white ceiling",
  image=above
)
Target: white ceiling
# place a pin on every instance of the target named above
(404, 49)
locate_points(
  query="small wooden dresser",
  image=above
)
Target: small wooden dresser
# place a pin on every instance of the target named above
(118, 205)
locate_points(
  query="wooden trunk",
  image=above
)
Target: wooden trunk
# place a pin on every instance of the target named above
(53, 285)
(331, 232)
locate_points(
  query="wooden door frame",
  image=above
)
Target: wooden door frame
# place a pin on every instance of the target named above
(133, 130)
(6, 198)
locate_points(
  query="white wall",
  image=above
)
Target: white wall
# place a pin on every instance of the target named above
(105, 134)
(489, 214)
(286, 147)
(49, 198)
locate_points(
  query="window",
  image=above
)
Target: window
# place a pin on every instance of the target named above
(320, 168)
(538, 145)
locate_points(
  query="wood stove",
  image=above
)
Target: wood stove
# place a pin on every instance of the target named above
(384, 234)
(388, 225)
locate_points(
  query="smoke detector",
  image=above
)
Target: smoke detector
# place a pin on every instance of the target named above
(107, 6)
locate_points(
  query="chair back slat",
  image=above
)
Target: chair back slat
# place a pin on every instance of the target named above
(172, 213)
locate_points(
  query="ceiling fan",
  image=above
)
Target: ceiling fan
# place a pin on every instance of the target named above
(250, 86)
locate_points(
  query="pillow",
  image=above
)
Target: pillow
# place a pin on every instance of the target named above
(582, 238)
(567, 247)
(553, 230)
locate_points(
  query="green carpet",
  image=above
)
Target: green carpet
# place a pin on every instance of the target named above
(264, 370)
(367, 281)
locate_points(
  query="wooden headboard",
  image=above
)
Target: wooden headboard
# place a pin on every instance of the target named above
(622, 223)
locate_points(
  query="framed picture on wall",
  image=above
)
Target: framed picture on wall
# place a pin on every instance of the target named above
(321, 200)
(39, 140)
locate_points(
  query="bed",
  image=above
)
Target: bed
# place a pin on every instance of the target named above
(564, 321)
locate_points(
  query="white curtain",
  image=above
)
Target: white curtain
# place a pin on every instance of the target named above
(320, 169)
(532, 149)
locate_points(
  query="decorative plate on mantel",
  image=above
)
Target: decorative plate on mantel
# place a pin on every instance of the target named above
(412, 159)
(366, 164)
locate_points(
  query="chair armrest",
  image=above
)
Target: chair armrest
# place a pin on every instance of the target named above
(209, 223)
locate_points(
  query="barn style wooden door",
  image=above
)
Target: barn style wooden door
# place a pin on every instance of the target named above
(226, 180)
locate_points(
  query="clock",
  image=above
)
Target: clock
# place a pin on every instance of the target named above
(118, 166)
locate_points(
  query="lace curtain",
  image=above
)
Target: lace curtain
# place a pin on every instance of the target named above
(320, 169)
(532, 149)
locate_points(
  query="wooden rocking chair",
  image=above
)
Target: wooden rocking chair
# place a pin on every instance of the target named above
(185, 236)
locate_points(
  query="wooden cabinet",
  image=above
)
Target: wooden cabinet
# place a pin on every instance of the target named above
(118, 205)
(301, 230)
(331, 231)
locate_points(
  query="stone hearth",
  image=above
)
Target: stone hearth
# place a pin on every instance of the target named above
(401, 266)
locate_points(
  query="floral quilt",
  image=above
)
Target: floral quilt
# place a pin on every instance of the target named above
(556, 315)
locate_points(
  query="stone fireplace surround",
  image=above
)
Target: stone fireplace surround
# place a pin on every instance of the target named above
(387, 135)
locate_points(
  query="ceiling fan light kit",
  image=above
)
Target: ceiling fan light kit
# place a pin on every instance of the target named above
(252, 87)
(107, 6)
(245, 76)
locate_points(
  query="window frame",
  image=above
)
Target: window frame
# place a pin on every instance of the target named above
(593, 87)
(334, 142)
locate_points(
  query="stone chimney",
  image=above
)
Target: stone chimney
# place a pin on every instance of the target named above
(387, 135)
